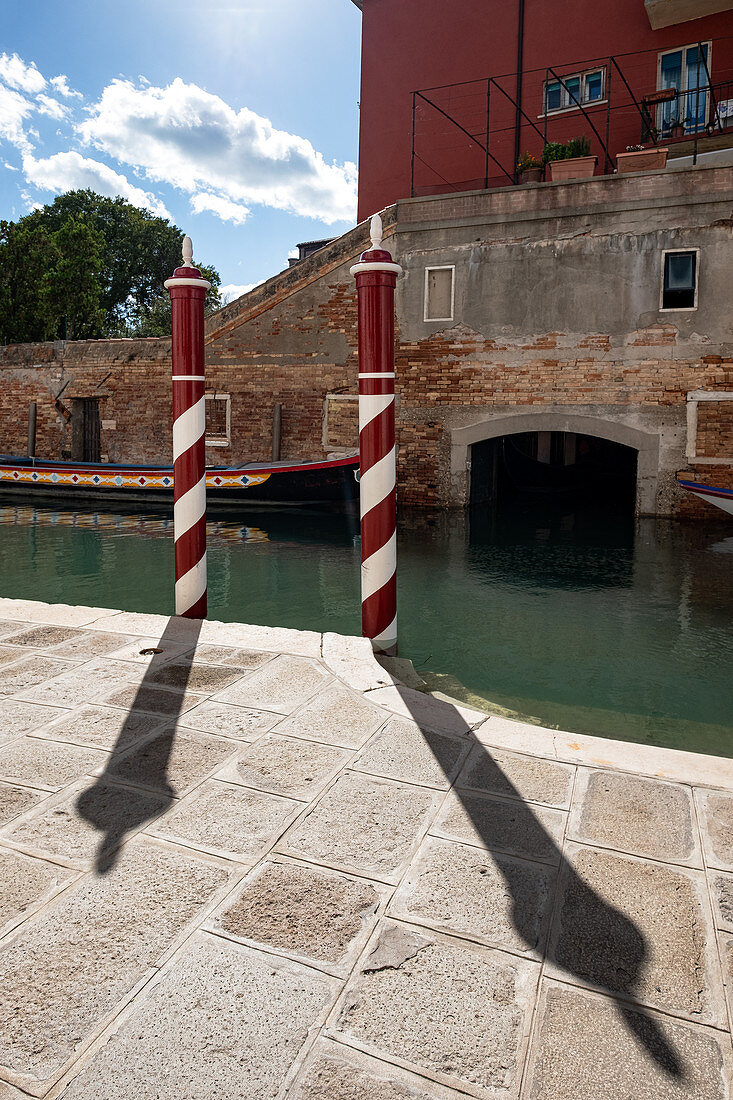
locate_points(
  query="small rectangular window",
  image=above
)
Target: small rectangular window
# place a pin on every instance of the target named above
(439, 293)
(679, 286)
(218, 419)
(572, 91)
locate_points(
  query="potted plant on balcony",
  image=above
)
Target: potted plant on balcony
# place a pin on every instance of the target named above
(676, 128)
(570, 160)
(529, 168)
(638, 159)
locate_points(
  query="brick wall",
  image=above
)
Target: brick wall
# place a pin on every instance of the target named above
(292, 341)
(714, 429)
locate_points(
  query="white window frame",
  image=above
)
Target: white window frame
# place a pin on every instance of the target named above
(570, 105)
(685, 91)
(440, 267)
(678, 309)
(694, 397)
(218, 440)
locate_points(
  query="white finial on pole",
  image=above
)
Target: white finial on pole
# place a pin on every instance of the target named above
(375, 232)
(187, 252)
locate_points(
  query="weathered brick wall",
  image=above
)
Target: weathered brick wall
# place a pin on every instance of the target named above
(714, 429)
(292, 341)
(130, 377)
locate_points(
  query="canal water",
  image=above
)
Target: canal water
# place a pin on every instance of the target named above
(585, 621)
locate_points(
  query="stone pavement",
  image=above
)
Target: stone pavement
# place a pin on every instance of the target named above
(247, 862)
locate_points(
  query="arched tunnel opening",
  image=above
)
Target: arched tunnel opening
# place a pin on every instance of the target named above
(553, 469)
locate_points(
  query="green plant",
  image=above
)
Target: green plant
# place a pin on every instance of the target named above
(566, 150)
(577, 147)
(528, 161)
(553, 150)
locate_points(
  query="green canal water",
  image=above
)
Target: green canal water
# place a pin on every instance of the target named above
(584, 621)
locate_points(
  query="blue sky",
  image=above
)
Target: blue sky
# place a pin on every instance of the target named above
(238, 119)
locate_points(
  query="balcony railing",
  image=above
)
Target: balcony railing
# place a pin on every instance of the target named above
(469, 135)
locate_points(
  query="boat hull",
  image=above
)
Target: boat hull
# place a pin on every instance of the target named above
(721, 498)
(333, 483)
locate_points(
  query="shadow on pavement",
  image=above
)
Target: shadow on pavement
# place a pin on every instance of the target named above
(596, 942)
(117, 810)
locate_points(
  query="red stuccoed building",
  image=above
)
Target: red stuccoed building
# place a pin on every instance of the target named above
(453, 92)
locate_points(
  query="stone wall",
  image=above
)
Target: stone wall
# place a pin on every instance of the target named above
(557, 312)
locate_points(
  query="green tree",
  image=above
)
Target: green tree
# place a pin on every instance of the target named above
(74, 286)
(130, 253)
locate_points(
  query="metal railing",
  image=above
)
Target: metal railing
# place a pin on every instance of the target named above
(465, 135)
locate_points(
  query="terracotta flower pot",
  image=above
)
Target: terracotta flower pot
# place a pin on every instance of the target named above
(577, 168)
(647, 160)
(531, 175)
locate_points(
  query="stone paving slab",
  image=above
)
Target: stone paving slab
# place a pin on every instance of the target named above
(99, 727)
(364, 824)
(58, 829)
(457, 1013)
(281, 685)
(82, 683)
(653, 917)
(517, 776)
(338, 1072)
(285, 765)
(491, 898)
(305, 880)
(219, 1009)
(226, 720)
(588, 1046)
(402, 750)
(170, 761)
(15, 801)
(67, 970)
(716, 821)
(17, 718)
(228, 820)
(315, 916)
(27, 884)
(47, 764)
(24, 675)
(637, 815)
(337, 716)
(502, 825)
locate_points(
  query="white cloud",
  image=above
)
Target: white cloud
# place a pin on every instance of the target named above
(61, 84)
(15, 73)
(14, 109)
(10, 167)
(51, 107)
(224, 208)
(184, 136)
(69, 171)
(231, 291)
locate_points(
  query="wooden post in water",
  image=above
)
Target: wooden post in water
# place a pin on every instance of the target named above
(277, 432)
(188, 289)
(32, 414)
(376, 278)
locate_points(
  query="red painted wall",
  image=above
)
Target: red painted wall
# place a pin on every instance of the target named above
(410, 45)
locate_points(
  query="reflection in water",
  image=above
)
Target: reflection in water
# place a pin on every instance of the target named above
(583, 620)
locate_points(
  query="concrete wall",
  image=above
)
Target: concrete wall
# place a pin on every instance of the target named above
(556, 321)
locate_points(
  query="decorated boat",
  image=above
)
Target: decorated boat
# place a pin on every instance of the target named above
(330, 482)
(721, 498)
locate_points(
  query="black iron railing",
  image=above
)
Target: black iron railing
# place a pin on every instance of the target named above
(465, 135)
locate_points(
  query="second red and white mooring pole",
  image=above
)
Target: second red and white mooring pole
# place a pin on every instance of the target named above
(187, 289)
(376, 278)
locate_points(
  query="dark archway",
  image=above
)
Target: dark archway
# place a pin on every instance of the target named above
(466, 445)
(568, 468)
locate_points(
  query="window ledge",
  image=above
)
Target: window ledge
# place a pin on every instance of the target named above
(570, 110)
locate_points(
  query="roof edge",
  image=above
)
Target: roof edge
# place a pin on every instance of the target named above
(359, 4)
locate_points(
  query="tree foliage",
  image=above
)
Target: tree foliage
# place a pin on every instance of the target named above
(86, 266)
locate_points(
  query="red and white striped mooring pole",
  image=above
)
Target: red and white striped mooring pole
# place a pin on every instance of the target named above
(376, 278)
(188, 291)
